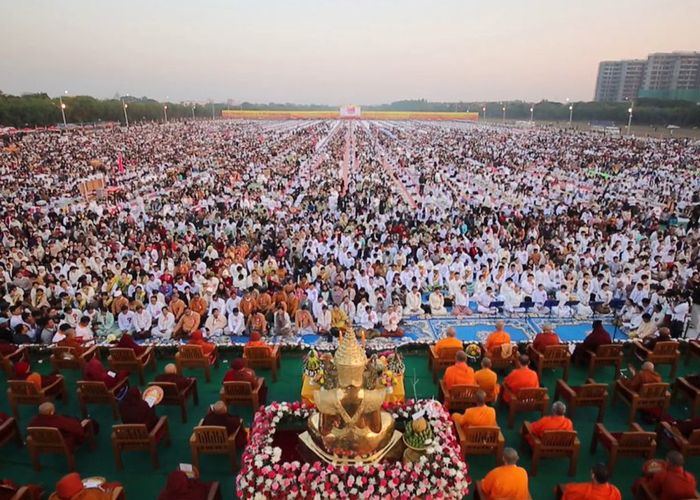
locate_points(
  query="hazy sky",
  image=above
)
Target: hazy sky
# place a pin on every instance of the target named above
(331, 51)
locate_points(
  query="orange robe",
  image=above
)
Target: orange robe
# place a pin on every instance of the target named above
(640, 378)
(264, 302)
(506, 481)
(198, 305)
(487, 379)
(590, 491)
(458, 374)
(292, 304)
(447, 343)
(177, 307)
(247, 306)
(550, 423)
(520, 378)
(259, 343)
(495, 339)
(478, 416)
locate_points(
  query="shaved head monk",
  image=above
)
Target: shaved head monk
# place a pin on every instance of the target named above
(74, 431)
(557, 421)
(460, 373)
(508, 480)
(477, 416)
(547, 337)
(449, 342)
(675, 481)
(487, 379)
(597, 489)
(646, 375)
(522, 377)
(497, 338)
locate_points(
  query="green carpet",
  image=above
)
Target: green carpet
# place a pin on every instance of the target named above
(142, 482)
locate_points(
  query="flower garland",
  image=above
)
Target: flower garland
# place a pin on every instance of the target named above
(440, 473)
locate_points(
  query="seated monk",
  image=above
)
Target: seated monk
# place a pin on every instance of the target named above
(239, 372)
(170, 375)
(496, 338)
(507, 481)
(208, 348)
(477, 416)
(134, 410)
(460, 373)
(597, 489)
(670, 482)
(181, 487)
(487, 379)
(65, 337)
(646, 375)
(257, 323)
(218, 415)
(75, 432)
(339, 319)
(9, 489)
(256, 341)
(557, 421)
(23, 372)
(598, 336)
(71, 487)
(95, 372)
(187, 324)
(127, 342)
(547, 337)
(522, 377)
(450, 341)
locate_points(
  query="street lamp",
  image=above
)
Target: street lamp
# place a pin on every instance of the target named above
(571, 113)
(193, 106)
(165, 112)
(126, 116)
(532, 112)
(504, 114)
(484, 110)
(63, 108)
(629, 120)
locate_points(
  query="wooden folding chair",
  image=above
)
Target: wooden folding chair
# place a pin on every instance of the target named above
(211, 439)
(66, 358)
(683, 387)
(42, 440)
(670, 434)
(530, 399)
(664, 353)
(124, 358)
(553, 356)
(192, 356)
(588, 394)
(552, 444)
(176, 397)
(481, 441)
(440, 362)
(9, 431)
(693, 350)
(136, 437)
(95, 392)
(7, 362)
(459, 397)
(605, 355)
(241, 393)
(22, 392)
(634, 443)
(263, 357)
(649, 396)
(499, 361)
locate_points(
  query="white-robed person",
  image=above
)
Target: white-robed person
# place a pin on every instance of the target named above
(324, 321)
(461, 304)
(437, 303)
(391, 320)
(539, 297)
(484, 300)
(216, 324)
(165, 324)
(236, 322)
(584, 298)
(282, 324)
(561, 309)
(413, 303)
(143, 322)
(348, 307)
(155, 306)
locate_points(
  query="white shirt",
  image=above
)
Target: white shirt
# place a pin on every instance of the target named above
(236, 323)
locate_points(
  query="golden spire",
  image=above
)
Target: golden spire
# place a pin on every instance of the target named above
(350, 360)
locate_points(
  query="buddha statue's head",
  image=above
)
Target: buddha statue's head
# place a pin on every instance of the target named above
(350, 360)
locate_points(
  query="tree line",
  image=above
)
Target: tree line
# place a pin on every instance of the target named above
(33, 110)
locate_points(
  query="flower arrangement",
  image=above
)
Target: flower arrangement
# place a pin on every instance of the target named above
(312, 364)
(473, 351)
(440, 473)
(394, 362)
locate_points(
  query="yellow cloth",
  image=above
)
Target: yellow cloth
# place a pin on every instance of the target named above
(399, 393)
(307, 391)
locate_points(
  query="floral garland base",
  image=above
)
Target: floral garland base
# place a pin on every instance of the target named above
(440, 473)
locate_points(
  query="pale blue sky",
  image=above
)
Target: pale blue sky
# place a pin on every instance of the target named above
(333, 51)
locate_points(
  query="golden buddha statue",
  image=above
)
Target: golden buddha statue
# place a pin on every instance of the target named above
(350, 425)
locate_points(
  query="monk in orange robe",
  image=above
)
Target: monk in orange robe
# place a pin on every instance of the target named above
(257, 323)
(597, 489)
(247, 305)
(449, 342)
(208, 348)
(497, 338)
(487, 379)
(264, 303)
(198, 304)
(522, 377)
(256, 341)
(646, 375)
(508, 480)
(292, 302)
(477, 416)
(460, 373)
(557, 421)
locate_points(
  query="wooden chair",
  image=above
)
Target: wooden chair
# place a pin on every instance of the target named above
(241, 393)
(664, 353)
(647, 494)
(211, 439)
(500, 362)
(23, 493)
(22, 392)
(530, 399)
(554, 356)
(649, 396)
(124, 358)
(446, 358)
(93, 392)
(9, 431)
(687, 446)
(262, 357)
(481, 441)
(8, 362)
(41, 440)
(192, 356)
(65, 358)
(606, 354)
(136, 437)
(117, 494)
(685, 388)
(480, 495)
(175, 397)
(693, 350)
(552, 444)
(459, 397)
(634, 443)
(588, 394)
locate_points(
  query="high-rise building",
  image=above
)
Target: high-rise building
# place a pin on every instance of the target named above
(619, 80)
(674, 75)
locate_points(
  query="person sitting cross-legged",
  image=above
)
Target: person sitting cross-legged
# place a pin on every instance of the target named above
(598, 488)
(477, 416)
(508, 480)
